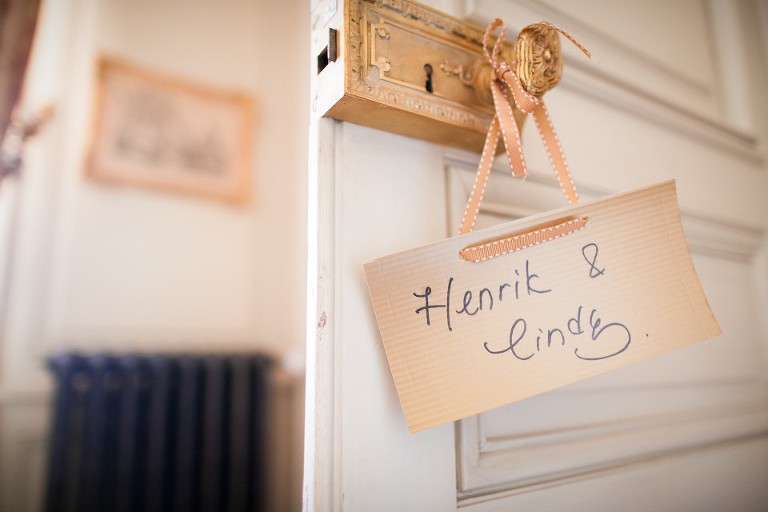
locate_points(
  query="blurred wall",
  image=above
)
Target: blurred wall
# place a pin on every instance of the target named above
(95, 266)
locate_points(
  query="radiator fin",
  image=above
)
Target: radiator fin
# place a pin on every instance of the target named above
(158, 433)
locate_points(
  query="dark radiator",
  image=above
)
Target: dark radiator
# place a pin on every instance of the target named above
(158, 433)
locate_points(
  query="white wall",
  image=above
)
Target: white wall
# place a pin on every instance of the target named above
(100, 266)
(126, 266)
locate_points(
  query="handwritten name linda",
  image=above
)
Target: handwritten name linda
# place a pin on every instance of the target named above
(588, 335)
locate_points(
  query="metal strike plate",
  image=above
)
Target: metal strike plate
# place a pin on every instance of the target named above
(404, 68)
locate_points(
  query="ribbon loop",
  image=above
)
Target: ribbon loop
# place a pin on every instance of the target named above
(493, 56)
(506, 83)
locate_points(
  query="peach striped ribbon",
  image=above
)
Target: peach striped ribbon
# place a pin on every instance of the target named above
(504, 125)
(487, 250)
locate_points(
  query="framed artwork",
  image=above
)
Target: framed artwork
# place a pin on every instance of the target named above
(155, 131)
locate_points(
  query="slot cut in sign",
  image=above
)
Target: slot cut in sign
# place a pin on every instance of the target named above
(464, 334)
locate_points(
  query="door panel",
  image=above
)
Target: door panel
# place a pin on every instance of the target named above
(727, 477)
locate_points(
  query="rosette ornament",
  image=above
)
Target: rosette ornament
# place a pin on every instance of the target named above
(539, 59)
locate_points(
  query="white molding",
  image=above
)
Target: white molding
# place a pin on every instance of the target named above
(607, 40)
(664, 113)
(497, 472)
(322, 445)
(612, 47)
(600, 476)
(709, 125)
(712, 237)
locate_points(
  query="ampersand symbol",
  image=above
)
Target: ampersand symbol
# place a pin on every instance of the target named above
(594, 271)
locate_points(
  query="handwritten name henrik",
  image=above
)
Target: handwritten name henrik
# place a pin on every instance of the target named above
(608, 339)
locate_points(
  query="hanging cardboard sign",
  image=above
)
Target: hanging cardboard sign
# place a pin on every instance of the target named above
(572, 293)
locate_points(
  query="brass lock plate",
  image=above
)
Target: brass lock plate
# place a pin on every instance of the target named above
(422, 62)
(408, 69)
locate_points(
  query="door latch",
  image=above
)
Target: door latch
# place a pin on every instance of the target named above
(408, 69)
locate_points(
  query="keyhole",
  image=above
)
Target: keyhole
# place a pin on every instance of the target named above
(428, 71)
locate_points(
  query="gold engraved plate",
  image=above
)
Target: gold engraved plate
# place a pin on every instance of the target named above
(407, 69)
(399, 54)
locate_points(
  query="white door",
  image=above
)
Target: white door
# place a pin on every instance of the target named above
(673, 91)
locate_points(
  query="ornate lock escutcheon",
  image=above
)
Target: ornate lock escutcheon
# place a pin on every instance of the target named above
(403, 55)
(408, 69)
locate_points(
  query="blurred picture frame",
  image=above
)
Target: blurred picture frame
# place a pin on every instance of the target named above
(160, 132)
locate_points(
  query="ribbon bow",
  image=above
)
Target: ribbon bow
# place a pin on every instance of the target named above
(506, 80)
